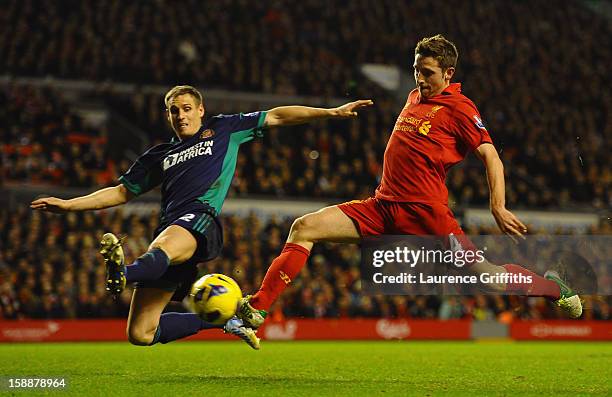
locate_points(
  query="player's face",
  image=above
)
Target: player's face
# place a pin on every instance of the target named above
(430, 79)
(185, 115)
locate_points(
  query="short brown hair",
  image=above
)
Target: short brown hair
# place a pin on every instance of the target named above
(439, 48)
(182, 90)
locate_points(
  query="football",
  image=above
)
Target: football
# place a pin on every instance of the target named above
(214, 298)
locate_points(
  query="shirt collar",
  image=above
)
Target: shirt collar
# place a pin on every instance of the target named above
(175, 139)
(453, 88)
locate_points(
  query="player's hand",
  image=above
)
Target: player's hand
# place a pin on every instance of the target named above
(350, 109)
(50, 204)
(509, 223)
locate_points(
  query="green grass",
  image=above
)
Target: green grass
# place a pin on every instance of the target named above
(317, 368)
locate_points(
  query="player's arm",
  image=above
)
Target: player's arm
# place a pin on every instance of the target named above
(506, 220)
(291, 115)
(103, 198)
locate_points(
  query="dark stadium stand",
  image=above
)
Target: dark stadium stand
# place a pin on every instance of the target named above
(43, 141)
(557, 154)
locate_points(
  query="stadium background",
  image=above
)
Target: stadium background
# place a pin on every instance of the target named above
(81, 94)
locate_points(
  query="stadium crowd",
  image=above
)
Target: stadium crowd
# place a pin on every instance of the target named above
(50, 268)
(553, 136)
(42, 141)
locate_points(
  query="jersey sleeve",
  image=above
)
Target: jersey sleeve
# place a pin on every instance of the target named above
(470, 129)
(245, 126)
(145, 173)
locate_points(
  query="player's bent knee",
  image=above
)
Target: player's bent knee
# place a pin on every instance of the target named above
(159, 244)
(303, 228)
(176, 254)
(140, 337)
(140, 340)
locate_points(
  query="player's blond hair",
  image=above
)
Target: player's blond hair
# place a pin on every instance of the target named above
(182, 90)
(440, 49)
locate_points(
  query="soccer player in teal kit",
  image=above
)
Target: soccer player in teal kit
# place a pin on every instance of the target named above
(195, 171)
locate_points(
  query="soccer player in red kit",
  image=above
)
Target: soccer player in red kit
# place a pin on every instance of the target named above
(436, 129)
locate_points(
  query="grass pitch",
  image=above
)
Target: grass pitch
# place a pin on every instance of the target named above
(394, 368)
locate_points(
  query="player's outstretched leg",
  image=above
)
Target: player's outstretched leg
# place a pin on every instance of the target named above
(328, 224)
(147, 325)
(568, 299)
(549, 286)
(173, 326)
(112, 252)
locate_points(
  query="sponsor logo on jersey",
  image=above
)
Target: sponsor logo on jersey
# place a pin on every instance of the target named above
(412, 124)
(433, 111)
(424, 128)
(407, 124)
(203, 148)
(479, 122)
(207, 133)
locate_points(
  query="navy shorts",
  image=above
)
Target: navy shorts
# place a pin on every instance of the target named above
(208, 232)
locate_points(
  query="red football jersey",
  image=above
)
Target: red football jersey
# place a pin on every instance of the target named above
(430, 136)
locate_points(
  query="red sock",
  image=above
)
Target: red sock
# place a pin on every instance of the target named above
(280, 273)
(539, 286)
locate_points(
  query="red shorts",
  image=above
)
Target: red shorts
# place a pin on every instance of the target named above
(375, 217)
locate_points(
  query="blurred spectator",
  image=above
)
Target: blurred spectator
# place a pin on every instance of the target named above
(43, 142)
(539, 101)
(450, 308)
